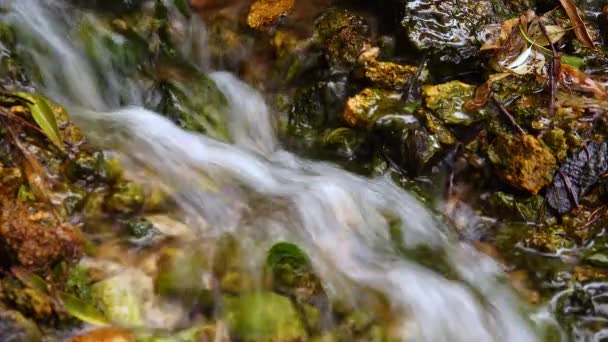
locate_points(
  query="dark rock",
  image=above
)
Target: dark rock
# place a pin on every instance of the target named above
(449, 29)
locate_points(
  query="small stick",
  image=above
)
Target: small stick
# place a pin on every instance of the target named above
(506, 113)
(415, 80)
(553, 66)
(12, 116)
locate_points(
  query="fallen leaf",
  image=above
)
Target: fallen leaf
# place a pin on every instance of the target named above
(82, 310)
(44, 117)
(577, 176)
(572, 77)
(580, 30)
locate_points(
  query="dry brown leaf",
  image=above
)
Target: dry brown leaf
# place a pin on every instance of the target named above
(572, 77)
(577, 22)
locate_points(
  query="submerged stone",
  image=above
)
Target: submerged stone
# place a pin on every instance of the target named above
(263, 317)
(522, 161)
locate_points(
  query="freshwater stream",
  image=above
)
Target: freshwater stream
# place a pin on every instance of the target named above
(266, 194)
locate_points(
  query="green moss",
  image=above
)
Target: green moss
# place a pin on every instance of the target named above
(79, 283)
(557, 141)
(126, 198)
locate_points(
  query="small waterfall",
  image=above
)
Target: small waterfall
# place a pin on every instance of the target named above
(338, 218)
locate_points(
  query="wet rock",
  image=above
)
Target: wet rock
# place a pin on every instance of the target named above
(434, 125)
(343, 36)
(390, 75)
(317, 106)
(577, 176)
(448, 101)
(263, 317)
(421, 148)
(193, 101)
(522, 161)
(16, 328)
(365, 108)
(265, 13)
(32, 236)
(449, 30)
(290, 272)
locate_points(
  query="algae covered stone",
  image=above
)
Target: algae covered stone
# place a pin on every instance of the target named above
(522, 161)
(263, 317)
(448, 100)
(343, 35)
(390, 75)
(365, 108)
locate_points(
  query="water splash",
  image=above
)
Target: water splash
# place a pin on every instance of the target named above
(339, 219)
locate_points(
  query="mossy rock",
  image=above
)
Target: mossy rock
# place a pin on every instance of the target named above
(522, 161)
(448, 101)
(263, 316)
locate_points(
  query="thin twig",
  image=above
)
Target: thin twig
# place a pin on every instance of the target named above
(9, 115)
(508, 115)
(415, 80)
(553, 69)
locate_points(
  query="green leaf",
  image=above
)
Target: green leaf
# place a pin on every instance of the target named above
(44, 117)
(83, 310)
(30, 279)
(574, 61)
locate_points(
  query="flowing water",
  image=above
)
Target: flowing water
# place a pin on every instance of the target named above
(265, 194)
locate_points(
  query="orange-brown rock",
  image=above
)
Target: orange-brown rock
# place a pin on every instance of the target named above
(31, 236)
(263, 14)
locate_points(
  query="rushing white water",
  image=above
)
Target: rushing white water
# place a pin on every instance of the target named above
(268, 194)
